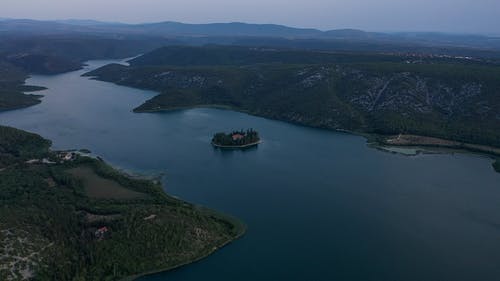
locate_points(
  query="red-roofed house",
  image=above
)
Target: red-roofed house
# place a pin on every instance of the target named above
(99, 233)
(237, 137)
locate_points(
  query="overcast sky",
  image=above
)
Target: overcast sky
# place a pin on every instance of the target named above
(463, 16)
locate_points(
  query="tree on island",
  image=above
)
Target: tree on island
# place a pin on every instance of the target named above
(236, 138)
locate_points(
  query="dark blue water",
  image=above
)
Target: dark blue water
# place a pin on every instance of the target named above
(319, 205)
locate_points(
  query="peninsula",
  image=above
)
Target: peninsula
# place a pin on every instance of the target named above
(236, 139)
(61, 206)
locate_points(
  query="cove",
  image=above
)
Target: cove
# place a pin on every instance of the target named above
(319, 205)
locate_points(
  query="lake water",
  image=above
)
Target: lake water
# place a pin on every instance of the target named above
(319, 205)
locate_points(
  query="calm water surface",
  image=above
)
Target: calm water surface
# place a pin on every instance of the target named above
(319, 205)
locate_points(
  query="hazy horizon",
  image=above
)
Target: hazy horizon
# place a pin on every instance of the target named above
(450, 16)
(257, 23)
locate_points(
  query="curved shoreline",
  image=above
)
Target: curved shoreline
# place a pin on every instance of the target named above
(375, 139)
(175, 108)
(239, 226)
(417, 140)
(241, 230)
(236, 146)
(421, 143)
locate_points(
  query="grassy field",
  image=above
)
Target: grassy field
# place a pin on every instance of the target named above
(101, 188)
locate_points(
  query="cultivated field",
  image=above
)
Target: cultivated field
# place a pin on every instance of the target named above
(102, 188)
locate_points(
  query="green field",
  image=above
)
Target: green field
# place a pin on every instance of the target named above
(100, 188)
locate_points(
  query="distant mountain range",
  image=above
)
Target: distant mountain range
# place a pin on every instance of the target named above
(244, 30)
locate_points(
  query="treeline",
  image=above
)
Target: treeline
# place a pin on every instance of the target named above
(236, 138)
(17, 145)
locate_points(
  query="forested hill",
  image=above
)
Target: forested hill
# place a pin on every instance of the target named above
(56, 209)
(451, 98)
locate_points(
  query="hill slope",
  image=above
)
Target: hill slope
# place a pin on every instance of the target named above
(447, 98)
(50, 214)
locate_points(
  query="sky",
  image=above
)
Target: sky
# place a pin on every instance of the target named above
(457, 16)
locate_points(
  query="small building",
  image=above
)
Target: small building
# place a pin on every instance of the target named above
(68, 156)
(237, 137)
(100, 232)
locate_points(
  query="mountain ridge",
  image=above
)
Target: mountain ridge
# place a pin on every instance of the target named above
(236, 29)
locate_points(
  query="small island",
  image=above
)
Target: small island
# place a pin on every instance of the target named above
(236, 139)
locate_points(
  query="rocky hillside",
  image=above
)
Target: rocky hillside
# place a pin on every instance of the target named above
(452, 99)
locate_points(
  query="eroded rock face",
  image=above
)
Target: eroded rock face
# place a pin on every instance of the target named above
(403, 93)
(371, 97)
(20, 253)
(407, 93)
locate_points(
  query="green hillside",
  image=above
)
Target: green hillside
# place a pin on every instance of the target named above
(54, 226)
(456, 99)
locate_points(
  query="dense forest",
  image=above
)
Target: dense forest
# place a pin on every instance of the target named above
(450, 98)
(236, 138)
(53, 227)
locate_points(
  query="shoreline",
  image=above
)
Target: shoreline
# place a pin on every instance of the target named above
(37, 101)
(152, 190)
(239, 226)
(236, 146)
(241, 230)
(176, 108)
(375, 140)
(432, 142)
(418, 141)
